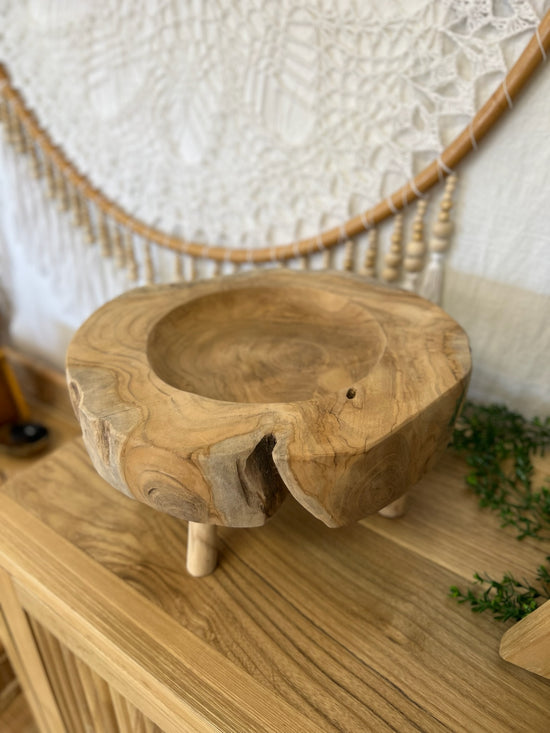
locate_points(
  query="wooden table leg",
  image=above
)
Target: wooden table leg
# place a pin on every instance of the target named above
(202, 549)
(396, 509)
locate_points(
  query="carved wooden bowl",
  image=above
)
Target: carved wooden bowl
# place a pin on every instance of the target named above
(212, 400)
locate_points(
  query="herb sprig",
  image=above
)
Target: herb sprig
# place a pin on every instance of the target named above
(499, 446)
(507, 598)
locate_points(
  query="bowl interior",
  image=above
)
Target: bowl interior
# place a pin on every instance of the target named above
(265, 344)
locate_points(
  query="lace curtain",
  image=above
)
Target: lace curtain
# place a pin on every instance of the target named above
(257, 123)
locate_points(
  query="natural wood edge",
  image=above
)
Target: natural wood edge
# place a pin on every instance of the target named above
(39, 381)
(396, 509)
(527, 643)
(499, 102)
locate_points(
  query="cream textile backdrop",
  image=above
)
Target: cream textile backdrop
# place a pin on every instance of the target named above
(254, 123)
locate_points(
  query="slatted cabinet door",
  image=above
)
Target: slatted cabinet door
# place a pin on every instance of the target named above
(94, 655)
(86, 702)
(64, 693)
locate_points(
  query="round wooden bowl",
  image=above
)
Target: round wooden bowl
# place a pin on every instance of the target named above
(211, 400)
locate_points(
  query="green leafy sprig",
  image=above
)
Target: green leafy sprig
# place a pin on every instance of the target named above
(499, 445)
(507, 598)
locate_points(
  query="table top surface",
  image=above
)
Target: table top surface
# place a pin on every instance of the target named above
(301, 627)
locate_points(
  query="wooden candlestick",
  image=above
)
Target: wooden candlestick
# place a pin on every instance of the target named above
(396, 509)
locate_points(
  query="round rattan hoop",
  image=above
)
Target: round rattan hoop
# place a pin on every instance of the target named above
(500, 101)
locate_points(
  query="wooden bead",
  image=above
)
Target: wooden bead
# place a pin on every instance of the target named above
(178, 267)
(432, 285)
(369, 268)
(192, 269)
(329, 254)
(415, 249)
(393, 258)
(414, 261)
(443, 229)
(349, 256)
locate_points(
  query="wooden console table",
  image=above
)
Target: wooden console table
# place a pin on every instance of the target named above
(302, 628)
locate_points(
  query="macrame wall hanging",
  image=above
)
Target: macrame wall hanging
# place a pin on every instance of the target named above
(134, 245)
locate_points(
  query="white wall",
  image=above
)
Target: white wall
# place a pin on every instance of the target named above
(498, 281)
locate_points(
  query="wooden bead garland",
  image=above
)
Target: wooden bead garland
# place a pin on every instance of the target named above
(393, 258)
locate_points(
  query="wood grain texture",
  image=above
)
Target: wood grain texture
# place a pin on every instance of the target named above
(64, 681)
(61, 428)
(39, 382)
(444, 524)
(210, 401)
(17, 637)
(527, 644)
(176, 679)
(8, 681)
(17, 717)
(305, 627)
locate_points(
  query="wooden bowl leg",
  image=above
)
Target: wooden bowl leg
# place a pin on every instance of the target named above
(396, 509)
(202, 549)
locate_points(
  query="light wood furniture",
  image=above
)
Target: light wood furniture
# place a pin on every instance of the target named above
(302, 628)
(9, 687)
(13, 407)
(527, 644)
(211, 401)
(46, 400)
